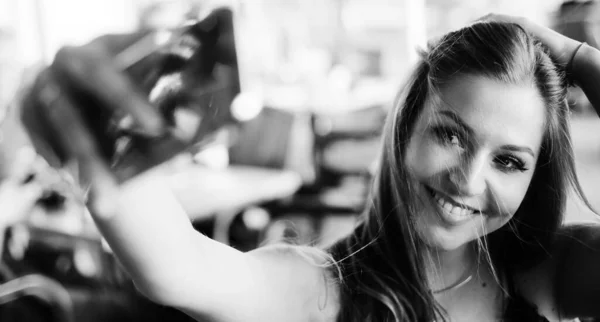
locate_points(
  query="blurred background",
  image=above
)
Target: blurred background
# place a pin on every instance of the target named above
(313, 82)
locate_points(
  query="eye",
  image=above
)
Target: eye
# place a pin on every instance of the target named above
(510, 163)
(449, 136)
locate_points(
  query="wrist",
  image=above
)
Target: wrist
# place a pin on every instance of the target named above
(573, 56)
(578, 63)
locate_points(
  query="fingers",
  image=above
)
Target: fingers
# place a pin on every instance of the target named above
(77, 142)
(92, 71)
(502, 18)
(487, 17)
(71, 104)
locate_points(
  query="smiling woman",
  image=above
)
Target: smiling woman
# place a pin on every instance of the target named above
(464, 219)
(474, 150)
(471, 186)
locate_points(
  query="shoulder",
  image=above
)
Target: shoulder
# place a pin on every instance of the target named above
(272, 283)
(563, 271)
(302, 277)
(536, 287)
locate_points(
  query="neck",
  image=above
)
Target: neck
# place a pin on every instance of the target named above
(446, 267)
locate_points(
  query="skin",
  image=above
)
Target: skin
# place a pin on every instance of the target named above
(477, 144)
(477, 170)
(275, 284)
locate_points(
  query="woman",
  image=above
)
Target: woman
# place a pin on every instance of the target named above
(487, 162)
(463, 225)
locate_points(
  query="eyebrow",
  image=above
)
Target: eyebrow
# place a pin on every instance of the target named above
(454, 117)
(509, 147)
(515, 148)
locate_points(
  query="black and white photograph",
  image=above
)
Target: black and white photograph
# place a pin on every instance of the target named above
(300, 160)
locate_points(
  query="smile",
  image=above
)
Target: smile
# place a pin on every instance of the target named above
(451, 211)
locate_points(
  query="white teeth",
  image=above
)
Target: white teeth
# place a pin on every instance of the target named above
(451, 209)
(457, 211)
(448, 207)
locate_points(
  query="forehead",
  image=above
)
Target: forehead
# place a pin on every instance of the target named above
(498, 112)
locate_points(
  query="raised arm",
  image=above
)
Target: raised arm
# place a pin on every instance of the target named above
(568, 284)
(582, 62)
(146, 228)
(575, 267)
(586, 73)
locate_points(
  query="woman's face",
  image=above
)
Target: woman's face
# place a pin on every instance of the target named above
(473, 154)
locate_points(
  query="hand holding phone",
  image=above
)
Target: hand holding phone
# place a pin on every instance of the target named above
(125, 103)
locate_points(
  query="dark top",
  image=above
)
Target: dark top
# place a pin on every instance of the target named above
(360, 306)
(518, 309)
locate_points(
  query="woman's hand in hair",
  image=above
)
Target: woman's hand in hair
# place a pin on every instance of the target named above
(561, 47)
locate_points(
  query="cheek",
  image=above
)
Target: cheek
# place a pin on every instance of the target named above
(509, 195)
(425, 158)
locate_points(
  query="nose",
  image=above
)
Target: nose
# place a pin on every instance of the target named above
(468, 178)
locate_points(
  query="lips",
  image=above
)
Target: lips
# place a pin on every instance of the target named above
(451, 211)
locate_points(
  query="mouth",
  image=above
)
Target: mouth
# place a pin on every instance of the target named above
(451, 211)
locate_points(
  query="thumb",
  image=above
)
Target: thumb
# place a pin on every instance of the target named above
(103, 190)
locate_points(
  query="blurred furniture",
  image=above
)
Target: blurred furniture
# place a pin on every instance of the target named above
(345, 148)
(292, 167)
(264, 141)
(35, 297)
(71, 277)
(347, 144)
(216, 196)
(331, 152)
(204, 191)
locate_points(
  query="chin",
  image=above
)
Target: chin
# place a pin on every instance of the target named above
(440, 239)
(437, 235)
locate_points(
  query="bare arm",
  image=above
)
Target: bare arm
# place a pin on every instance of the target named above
(176, 266)
(134, 219)
(146, 228)
(169, 261)
(576, 266)
(582, 62)
(586, 73)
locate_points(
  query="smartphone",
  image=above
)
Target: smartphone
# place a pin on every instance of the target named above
(191, 79)
(192, 86)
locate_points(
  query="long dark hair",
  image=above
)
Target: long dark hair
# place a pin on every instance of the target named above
(381, 262)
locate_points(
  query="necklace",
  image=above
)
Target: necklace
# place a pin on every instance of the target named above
(458, 284)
